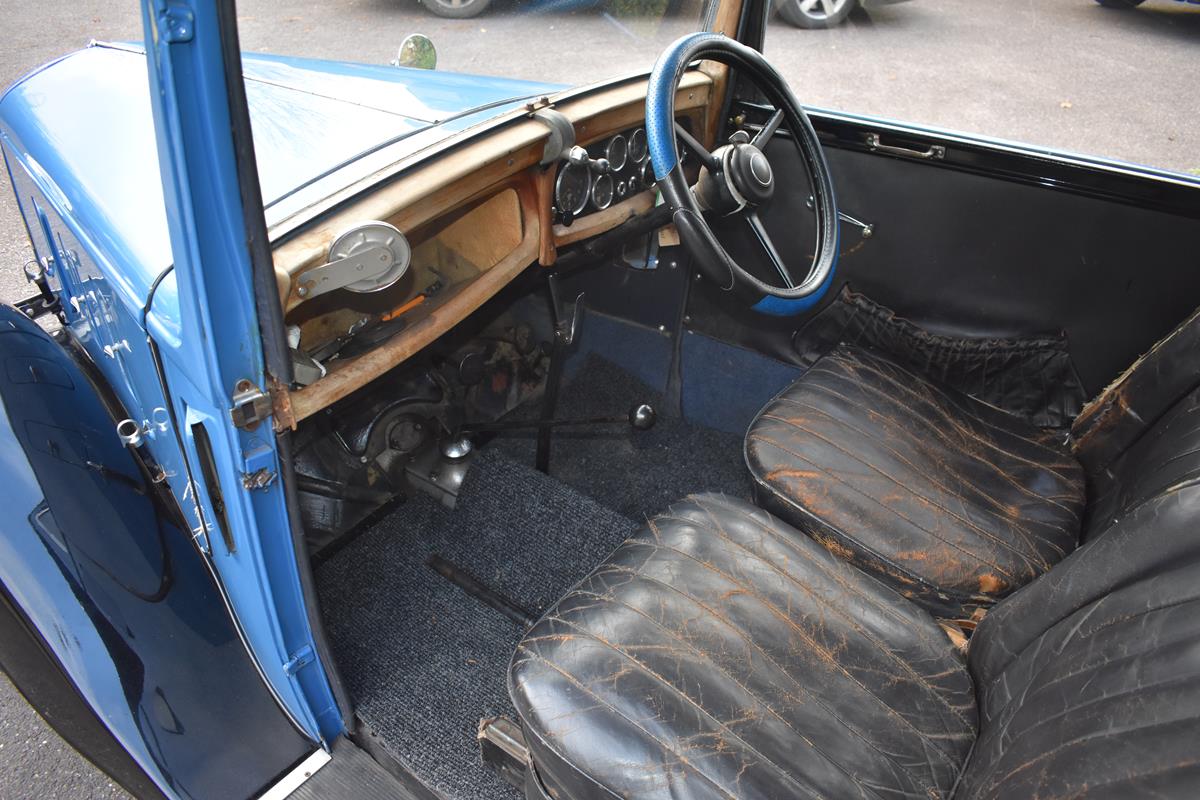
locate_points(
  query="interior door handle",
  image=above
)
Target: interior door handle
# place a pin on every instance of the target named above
(934, 153)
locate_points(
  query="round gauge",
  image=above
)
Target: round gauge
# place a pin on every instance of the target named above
(637, 145)
(617, 152)
(571, 188)
(622, 190)
(602, 192)
(648, 173)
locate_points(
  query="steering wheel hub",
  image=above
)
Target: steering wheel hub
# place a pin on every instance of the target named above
(750, 173)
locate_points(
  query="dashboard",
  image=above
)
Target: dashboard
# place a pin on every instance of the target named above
(451, 229)
(619, 167)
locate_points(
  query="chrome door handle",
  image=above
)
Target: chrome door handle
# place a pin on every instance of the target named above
(934, 153)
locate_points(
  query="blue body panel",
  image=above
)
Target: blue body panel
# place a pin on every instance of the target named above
(82, 128)
(79, 140)
(106, 569)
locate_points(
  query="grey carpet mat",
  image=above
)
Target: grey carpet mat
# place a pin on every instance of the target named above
(423, 660)
(636, 473)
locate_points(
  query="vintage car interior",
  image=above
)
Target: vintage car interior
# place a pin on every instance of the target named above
(665, 440)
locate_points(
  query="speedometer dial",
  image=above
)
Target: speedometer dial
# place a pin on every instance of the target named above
(637, 145)
(571, 189)
(602, 192)
(617, 152)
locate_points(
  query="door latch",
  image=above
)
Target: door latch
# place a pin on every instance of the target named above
(251, 405)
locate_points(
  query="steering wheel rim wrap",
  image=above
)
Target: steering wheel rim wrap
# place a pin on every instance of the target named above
(711, 257)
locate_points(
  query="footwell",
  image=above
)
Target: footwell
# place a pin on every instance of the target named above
(424, 660)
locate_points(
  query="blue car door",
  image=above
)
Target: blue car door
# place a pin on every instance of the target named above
(101, 561)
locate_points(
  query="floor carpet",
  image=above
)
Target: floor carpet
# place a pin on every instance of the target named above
(424, 661)
(636, 473)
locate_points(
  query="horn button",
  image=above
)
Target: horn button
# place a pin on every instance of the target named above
(750, 174)
(745, 179)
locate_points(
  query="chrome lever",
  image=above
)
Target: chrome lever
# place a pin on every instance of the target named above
(867, 228)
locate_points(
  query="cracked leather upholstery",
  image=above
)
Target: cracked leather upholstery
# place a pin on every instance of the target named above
(721, 654)
(952, 501)
(1089, 678)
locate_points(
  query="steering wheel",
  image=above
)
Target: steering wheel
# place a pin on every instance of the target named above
(736, 178)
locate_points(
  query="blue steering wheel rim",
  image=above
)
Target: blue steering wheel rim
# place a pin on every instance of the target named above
(660, 100)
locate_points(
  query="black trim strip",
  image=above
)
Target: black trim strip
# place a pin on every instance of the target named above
(266, 292)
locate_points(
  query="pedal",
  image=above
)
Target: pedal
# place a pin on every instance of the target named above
(502, 746)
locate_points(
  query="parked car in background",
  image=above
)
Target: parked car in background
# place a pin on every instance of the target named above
(801, 13)
(823, 13)
(1136, 3)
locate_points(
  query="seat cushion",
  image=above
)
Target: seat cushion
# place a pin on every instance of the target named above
(952, 501)
(719, 653)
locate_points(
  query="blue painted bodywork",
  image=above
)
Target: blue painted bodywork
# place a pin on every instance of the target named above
(314, 121)
(140, 246)
(105, 567)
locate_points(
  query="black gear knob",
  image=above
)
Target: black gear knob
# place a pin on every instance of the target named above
(642, 417)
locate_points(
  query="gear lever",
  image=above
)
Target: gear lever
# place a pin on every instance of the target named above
(566, 324)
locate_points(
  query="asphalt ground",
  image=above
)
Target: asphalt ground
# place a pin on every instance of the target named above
(1066, 74)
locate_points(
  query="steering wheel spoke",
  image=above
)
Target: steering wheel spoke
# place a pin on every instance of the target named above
(768, 130)
(764, 239)
(700, 151)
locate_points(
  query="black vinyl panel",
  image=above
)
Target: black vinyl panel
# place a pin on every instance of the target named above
(975, 247)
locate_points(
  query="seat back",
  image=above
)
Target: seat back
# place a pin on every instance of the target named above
(1134, 402)
(1088, 679)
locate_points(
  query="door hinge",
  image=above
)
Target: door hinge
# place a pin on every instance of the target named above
(299, 660)
(251, 405)
(259, 479)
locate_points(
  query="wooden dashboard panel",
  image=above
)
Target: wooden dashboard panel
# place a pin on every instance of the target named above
(470, 258)
(452, 209)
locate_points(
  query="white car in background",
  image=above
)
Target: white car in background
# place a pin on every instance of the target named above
(823, 13)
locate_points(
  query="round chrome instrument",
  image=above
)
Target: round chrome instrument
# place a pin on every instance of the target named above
(617, 152)
(637, 146)
(602, 192)
(647, 174)
(571, 188)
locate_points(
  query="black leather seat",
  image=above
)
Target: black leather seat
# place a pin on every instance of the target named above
(721, 654)
(953, 502)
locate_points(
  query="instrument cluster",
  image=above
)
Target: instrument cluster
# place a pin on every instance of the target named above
(612, 170)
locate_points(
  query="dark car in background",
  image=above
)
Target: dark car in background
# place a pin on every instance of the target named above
(616, 426)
